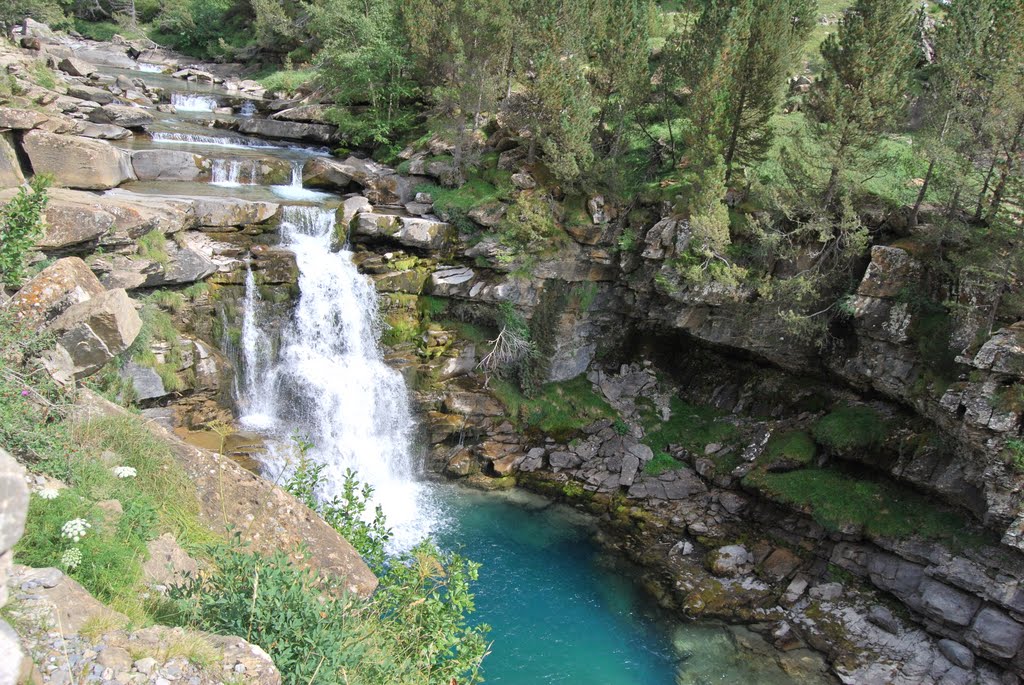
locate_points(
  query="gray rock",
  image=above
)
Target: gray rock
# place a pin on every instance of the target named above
(793, 592)
(884, 619)
(167, 165)
(523, 181)
(145, 665)
(996, 633)
(957, 654)
(827, 592)
(11, 173)
(288, 130)
(731, 560)
(942, 602)
(564, 460)
(78, 162)
(145, 381)
(121, 115)
(95, 331)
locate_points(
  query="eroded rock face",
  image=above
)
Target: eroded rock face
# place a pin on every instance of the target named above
(415, 232)
(11, 173)
(289, 130)
(78, 162)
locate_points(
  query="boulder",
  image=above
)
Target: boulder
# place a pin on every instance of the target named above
(729, 561)
(97, 330)
(995, 633)
(20, 119)
(827, 592)
(184, 265)
(780, 564)
(490, 214)
(884, 619)
(415, 232)
(121, 115)
(11, 174)
(943, 603)
(100, 96)
(324, 172)
(288, 130)
(168, 563)
(957, 654)
(53, 290)
(146, 382)
(88, 129)
(212, 212)
(167, 165)
(13, 509)
(78, 162)
(75, 67)
(347, 212)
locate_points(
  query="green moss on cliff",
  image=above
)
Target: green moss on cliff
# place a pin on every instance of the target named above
(793, 447)
(841, 502)
(691, 426)
(851, 428)
(558, 410)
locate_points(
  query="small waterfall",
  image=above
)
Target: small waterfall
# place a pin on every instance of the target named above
(187, 102)
(236, 142)
(295, 191)
(248, 109)
(234, 172)
(329, 382)
(150, 68)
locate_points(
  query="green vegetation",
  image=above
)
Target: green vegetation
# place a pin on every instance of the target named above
(413, 631)
(158, 326)
(288, 81)
(690, 426)
(559, 410)
(456, 203)
(662, 463)
(155, 494)
(850, 428)
(153, 246)
(792, 448)
(841, 502)
(1015, 451)
(21, 225)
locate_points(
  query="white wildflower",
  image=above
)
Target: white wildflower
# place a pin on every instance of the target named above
(71, 558)
(125, 471)
(75, 529)
(48, 493)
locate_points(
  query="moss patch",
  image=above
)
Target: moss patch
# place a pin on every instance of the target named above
(850, 428)
(792, 448)
(662, 463)
(559, 410)
(839, 501)
(691, 426)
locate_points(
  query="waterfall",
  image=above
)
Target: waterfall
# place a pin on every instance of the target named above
(150, 68)
(248, 109)
(237, 142)
(187, 102)
(329, 382)
(295, 191)
(234, 172)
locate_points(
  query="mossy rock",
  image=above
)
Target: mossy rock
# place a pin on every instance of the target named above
(851, 428)
(790, 450)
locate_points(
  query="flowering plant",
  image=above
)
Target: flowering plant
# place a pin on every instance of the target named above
(48, 493)
(75, 529)
(71, 558)
(125, 471)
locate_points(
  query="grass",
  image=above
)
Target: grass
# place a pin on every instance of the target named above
(158, 326)
(795, 448)
(838, 501)
(662, 462)
(690, 426)
(42, 75)
(559, 410)
(286, 80)
(153, 246)
(850, 428)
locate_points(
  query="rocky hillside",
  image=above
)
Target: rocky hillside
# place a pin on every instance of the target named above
(853, 494)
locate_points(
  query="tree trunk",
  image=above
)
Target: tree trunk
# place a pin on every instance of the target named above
(912, 221)
(1004, 177)
(734, 134)
(984, 190)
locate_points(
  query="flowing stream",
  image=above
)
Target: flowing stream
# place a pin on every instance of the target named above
(187, 102)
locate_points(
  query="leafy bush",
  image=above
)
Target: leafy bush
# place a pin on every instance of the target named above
(286, 80)
(21, 225)
(413, 631)
(530, 223)
(850, 428)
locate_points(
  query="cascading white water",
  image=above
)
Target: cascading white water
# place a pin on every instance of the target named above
(187, 102)
(237, 142)
(328, 381)
(234, 172)
(248, 109)
(295, 191)
(150, 68)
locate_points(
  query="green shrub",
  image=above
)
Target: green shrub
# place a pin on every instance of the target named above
(850, 428)
(288, 81)
(153, 246)
(21, 225)
(530, 224)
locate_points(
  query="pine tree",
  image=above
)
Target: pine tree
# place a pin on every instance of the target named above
(862, 91)
(777, 31)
